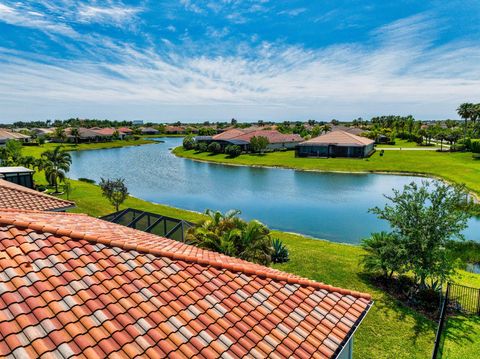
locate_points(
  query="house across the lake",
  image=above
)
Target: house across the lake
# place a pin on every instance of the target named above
(336, 144)
(7, 135)
(73, 285)
(242, 138)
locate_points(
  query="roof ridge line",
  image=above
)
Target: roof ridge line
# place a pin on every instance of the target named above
(37, 211)
(292, 279)
(16, 187)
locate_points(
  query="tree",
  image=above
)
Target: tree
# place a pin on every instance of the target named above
(202, 147)
(425, 218)
(214, 147)
(259, 143)
(56, 164)
(60, 134)
(115, 191)
(466, 111)
(75, 132)
(67, 188)
(384, 253)
(188, 143)
(230, 235)
(11, 153)
(233, 151)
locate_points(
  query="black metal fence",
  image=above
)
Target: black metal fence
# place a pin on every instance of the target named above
(457, 299)
(150, 222)
(463, 299)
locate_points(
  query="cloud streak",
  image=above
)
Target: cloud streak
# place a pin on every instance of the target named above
(399, 68)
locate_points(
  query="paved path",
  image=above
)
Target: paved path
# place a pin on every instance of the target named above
(408, 148)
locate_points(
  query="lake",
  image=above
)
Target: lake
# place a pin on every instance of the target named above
(332, 206)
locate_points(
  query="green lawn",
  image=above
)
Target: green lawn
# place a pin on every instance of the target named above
(403, 144)
(456, 167)
(36, 151)
(389, 331)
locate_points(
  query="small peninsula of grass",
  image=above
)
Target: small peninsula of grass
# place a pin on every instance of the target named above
(455, 167)
(36, 151)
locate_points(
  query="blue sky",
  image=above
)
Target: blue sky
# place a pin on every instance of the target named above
(190, 60)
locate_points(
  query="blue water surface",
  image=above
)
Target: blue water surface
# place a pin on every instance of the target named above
(332, 206)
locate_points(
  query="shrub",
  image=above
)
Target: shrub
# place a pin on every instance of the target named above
(201, 147)
(214, 147)
(188, 143)
(233, 151)
(86, 180)
(280, 252)
(475, 146)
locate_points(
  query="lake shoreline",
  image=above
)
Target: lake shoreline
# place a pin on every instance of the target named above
(475, 196)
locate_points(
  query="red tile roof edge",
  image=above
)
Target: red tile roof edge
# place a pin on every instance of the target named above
(20, 188)
(49, 228)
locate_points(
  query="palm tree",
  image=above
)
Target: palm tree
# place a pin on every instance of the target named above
(76, 134)
(60, 134)
(57, 164)
(465, 111)
(230, 235)
(254, 243)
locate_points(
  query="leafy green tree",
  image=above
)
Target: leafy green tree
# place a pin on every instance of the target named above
(202, 147)
(214, 147)
(114, 190)
(11, 153)
(385, 253)
(259, 143)
(425, 218)
(56, 164)
(188, 143)
(233, 151)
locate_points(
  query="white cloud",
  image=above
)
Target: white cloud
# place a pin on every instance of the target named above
(400, 72)
(17, 16)
(115, 14)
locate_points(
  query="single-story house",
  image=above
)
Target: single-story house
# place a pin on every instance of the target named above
(43, 131)
(16, 196)
(242, 138)
(108, 132)
(125, 130)
(20, 175)
(7, 135)
(94, 134)
(336, 144)
(74, 285)
(175, 130)
(149, 131)
(350, 129)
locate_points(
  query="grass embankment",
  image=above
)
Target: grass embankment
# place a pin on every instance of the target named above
(455, 167)
(389, 331)
(37, 151)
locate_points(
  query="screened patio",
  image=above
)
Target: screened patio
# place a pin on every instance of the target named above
(164, 226)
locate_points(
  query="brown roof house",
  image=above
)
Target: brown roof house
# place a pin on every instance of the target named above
(242, 138)
(7, 135)
(76, 286)
(336, 144)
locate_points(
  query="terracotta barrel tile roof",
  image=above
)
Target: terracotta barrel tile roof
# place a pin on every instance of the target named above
(71, 284)
(15, 196)
(340, 138)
